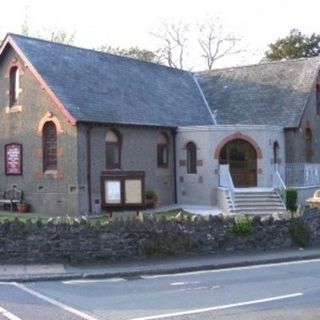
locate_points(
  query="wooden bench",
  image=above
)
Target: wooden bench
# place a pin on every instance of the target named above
(10, 197)
(314, 202)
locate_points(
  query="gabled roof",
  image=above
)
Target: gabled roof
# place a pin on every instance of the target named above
(273, 93)
(98, 87)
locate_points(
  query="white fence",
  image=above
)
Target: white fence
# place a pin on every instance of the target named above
(302, 174)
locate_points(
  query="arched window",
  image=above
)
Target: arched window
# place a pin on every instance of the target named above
(113, 150)
(191, 158)
(14, 86)
(162, 151)
(49, 144)
(275, 153)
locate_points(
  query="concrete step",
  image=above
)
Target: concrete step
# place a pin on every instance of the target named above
(258, 202)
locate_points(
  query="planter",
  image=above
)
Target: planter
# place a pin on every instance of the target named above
(22, 207)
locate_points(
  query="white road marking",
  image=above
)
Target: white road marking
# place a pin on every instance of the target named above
(8, 314)
(184, 283)
(63, 306)
(84, 281)
(226, 306)
(259, 266)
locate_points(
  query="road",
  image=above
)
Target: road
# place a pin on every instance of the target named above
(279, 291)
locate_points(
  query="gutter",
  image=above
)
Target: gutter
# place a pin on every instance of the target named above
(174, 135)
(89, 185)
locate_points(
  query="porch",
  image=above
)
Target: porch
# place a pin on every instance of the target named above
(305, 177)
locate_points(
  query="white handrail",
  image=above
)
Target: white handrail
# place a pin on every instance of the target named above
(225, 180)
(278, 182)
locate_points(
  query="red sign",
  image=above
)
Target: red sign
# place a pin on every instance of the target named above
(13, 163)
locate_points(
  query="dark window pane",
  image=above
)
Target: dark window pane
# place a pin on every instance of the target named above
(12, 89)
(49, 146)
(162, 155)
(112, 155)
(191, 158)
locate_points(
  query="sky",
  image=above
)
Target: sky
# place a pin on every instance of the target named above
(126, 23)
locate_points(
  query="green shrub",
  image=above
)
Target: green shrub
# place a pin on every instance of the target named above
(242, 226)
(300, 232)
(291, 199)
(151, 198)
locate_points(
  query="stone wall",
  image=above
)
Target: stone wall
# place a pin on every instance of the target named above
(130, 240)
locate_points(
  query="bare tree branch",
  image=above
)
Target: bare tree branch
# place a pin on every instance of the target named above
(174, 40)
(214, 45)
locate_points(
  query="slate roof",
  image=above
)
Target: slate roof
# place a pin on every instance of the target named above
(104, 88)
(264, 94)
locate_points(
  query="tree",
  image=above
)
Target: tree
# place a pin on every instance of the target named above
(173, 38)
(214, 44)
(177, 40)
(296, 45)
(132, 52)
(60, 36)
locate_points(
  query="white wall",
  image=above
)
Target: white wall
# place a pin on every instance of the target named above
(200, 188)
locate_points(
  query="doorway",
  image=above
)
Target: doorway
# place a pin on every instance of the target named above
(242, 159)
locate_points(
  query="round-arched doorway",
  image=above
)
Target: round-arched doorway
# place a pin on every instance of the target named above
(242, 159)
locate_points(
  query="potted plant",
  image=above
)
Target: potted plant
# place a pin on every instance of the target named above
(22, 207)
(151, 199)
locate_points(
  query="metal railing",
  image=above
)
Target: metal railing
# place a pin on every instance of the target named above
(225, 181)
(278, 183)
(302, 174)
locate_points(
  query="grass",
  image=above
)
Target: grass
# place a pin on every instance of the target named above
(11, 216)
(103, 219)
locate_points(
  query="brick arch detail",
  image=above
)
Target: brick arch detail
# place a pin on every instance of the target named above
(14, 63)
(235, 136)
(47, 118)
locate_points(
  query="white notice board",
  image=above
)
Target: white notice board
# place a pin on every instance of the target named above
(113, 191)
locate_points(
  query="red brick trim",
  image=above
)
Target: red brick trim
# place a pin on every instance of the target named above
(42, 82)
(60, 152)
(39, 153)
(14, 63)
(199, 163)
(238, 135)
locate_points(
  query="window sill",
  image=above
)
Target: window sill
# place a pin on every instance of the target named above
(14, 109)
(51, 174)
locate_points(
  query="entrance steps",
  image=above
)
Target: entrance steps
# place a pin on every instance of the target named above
(257, 201)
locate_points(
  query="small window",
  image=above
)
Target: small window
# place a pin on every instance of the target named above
(162, 151)
(191, 158)
(49, 142)
(113, 148)
(14, 86)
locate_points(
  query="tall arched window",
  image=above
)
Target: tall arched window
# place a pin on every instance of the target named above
(162, 151)
(49, 144)
(113, 150)
(191, 158)
(14, 86)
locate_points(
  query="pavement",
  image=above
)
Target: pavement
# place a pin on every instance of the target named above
(62, 271)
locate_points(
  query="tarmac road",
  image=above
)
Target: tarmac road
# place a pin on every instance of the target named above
(289, 290)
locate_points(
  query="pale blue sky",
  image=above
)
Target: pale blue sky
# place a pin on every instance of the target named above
(129, 22)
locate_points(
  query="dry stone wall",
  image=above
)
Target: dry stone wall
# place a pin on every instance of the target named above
(130, 240)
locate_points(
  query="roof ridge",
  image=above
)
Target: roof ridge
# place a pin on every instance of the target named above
(97, 52)
(254, 65)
